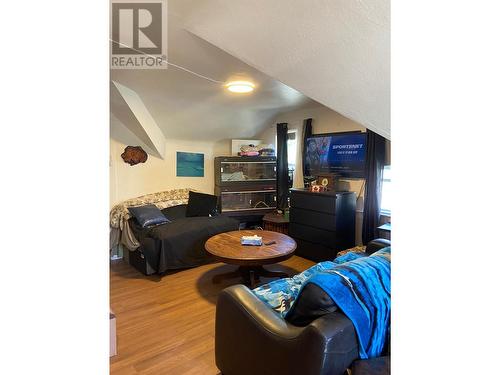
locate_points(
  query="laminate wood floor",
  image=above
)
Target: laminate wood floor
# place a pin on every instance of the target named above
(166, 325)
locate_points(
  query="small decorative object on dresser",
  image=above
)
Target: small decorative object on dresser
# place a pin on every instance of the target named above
(326, 180)
(317, 188)
(134, 155)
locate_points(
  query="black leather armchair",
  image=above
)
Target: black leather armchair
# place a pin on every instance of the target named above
(250, 338)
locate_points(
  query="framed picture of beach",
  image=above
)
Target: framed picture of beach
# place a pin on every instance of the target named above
(190, 164)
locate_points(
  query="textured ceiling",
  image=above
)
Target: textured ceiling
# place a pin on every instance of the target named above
(185, 106)
(336, 52)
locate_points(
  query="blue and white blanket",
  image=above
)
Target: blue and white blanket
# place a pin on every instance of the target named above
(361, 288)
(281, 294)
(359, 285)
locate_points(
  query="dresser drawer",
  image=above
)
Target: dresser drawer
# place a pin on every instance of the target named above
(312, 234)
(312, 218)
(313, 251)
(313, 201)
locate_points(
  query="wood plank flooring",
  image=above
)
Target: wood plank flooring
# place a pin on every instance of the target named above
(165, 325)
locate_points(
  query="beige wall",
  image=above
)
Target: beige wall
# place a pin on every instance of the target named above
(155, 175)
(324, 121)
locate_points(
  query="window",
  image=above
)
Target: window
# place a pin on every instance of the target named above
(291, 145)
(386, 204)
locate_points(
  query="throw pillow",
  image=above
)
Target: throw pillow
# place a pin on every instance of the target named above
(148, 215)
(281, 294)
(312, 303)
(175, 212)
(200, 204)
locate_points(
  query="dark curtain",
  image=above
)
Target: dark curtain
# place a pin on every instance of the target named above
(282, 165)
(375, 160)
(306, 133)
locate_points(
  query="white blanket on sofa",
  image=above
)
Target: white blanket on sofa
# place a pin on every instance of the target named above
(118, 218)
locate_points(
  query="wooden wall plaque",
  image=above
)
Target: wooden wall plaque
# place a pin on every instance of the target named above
(134, 155)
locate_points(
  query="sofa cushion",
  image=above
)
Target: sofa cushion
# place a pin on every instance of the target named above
(148, 215)
(281, 294)
(312, 303)
(200, 204)
(175, 212)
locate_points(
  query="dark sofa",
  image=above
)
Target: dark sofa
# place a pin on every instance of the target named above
(178, 244)
(250, 338)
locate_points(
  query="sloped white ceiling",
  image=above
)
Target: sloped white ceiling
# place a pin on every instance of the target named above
(336, 52)
(128, 108)
(185, 106)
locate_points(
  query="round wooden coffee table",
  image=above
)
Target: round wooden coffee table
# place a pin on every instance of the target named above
(227, 248)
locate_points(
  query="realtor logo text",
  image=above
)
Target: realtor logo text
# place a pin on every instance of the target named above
(138, 34)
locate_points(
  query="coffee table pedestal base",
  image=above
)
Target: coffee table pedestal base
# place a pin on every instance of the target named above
(250, 274)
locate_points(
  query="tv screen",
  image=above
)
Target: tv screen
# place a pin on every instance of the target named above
(341, 153)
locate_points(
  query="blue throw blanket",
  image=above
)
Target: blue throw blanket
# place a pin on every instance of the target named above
(281, 294)
(361, 288)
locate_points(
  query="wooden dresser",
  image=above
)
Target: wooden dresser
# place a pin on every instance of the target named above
(322, 223)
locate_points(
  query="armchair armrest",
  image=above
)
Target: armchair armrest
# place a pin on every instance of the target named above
(377, 244)
(250, 338)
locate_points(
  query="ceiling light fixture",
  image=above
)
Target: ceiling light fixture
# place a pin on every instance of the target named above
(240, 86)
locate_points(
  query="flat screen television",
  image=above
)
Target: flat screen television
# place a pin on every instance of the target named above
(339, 153)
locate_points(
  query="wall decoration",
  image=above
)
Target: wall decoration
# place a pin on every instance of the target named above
(134, 155)
(190, 164)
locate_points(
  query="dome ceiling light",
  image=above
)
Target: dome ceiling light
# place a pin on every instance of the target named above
(240, 87)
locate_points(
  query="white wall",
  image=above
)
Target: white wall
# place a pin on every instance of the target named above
(155, 175)
(324, 121)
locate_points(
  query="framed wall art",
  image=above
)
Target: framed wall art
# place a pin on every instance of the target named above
(190, 164)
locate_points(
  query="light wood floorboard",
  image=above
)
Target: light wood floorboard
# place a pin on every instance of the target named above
(165, 325)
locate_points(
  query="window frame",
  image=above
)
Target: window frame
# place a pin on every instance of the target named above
(385, 211)
(295, 131)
